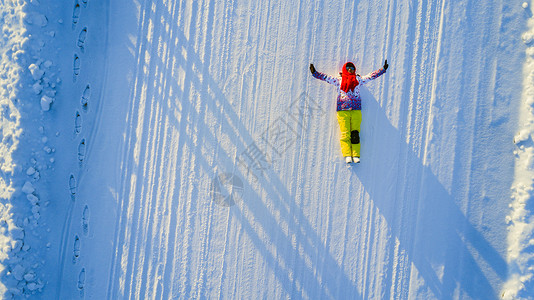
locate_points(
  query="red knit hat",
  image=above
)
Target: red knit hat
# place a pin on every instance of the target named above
(348, 81)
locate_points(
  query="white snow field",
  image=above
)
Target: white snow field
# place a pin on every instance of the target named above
(173, 149)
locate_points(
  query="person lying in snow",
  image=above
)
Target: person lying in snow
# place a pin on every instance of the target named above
(349, 105)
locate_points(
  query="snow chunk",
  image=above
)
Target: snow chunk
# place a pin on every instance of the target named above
(29, 277)
(525, 5)
(46, 102)
(36, 212)
(16, 245)
(17, 233)
(30, 171)
(32, 286)
(18, 272)
(528, 37)
(522, 136)
(37, 19)
(33, 199)
(36, 72)
(28, 188)
(37, 88)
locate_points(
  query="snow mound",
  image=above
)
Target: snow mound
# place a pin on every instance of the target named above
(25, 79)
(521, 218)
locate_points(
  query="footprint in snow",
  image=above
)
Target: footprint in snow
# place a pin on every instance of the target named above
(85, 220)
(76, 254)
(84, 3)
(78, 123)
(81, 151)
(76, 14)
(76, 67)
(81, 39)
(85, 97)
(72, 185)
(81, 281)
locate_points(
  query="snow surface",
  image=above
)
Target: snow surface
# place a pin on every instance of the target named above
(181, 149)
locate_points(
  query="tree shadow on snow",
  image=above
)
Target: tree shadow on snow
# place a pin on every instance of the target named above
(256, 213)
(293, 251)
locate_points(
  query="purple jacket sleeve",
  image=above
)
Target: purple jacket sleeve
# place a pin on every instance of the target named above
(329, 79)
(372, 75)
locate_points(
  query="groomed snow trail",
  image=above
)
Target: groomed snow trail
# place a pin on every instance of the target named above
(209, 165)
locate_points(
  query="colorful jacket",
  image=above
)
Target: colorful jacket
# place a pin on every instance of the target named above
(352, 99)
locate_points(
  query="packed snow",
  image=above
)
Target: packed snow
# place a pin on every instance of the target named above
(181, 149)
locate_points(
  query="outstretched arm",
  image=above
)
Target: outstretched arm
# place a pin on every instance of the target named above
(375, 74)
(324, 77)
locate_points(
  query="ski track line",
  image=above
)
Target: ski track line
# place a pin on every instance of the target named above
(203, 215)
(329, 231)
(416, 117)
(179, 142)
(157, 229)
(436, 290)
(140, 155)
(177, 207)
(466, 140)
(481, 118)
(153, 147)
(166, 211)
(151, 170)
(201, 281)
(189, 226)
(164, 228)
(186, 223)
(285, 40)
(433, 93)
(64, 245)
(409, 110)
(150, 142)
(125, 149)
(206, 215)
(156, 225)
(400, 106)
(127, 204)
(389, 34)
(170, 221)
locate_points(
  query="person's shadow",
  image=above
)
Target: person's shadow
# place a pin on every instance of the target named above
(433, 233)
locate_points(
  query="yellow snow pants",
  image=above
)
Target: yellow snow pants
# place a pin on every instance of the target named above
(349, 124)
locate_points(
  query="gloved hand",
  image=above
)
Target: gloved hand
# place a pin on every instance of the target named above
(386, 65)
(312, 68)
